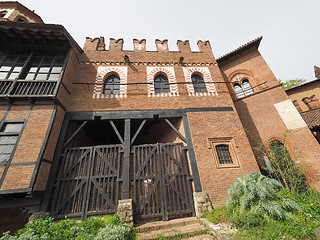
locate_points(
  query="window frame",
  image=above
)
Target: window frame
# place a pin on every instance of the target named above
(229, 141)
(17, 134)
(163, 79)
(199, 83)
(29, 63)
(112, 84)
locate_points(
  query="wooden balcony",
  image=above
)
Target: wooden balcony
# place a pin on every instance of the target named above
(27, 88)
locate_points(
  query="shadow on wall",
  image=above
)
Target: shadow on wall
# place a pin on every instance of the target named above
(12, 219)
(250, 129)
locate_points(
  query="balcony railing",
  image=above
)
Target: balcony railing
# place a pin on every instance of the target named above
(27, 88)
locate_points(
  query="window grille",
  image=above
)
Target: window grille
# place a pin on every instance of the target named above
(161, 84)
(198, 83)
(112, 85)
(223, 153)
(9, 134)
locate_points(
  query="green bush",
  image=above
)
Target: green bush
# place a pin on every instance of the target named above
(257, 195)
(66, 229)
(217, 215)
(113, 232)
(261, 209)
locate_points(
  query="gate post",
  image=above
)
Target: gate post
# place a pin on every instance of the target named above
(126, 161)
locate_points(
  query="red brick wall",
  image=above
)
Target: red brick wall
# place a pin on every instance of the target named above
(203, 125)
(261, 119)
(44, 170)
(29, 145)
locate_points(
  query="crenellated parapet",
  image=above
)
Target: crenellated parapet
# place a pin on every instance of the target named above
(139, 45)
(184, 46)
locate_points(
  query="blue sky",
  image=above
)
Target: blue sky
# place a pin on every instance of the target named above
(290, 45)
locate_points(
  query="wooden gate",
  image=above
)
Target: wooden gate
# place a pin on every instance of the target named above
(161, 182)
(88, 182)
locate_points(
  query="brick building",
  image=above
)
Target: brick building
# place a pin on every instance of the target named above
(82, 130)
(305, 99)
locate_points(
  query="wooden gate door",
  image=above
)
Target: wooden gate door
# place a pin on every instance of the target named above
(161, 182)
(88, 181)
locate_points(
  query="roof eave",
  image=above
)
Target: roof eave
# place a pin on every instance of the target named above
(254, 43)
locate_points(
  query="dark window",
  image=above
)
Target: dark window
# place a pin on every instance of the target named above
(41, 65)
(161, 84)
(112, 85)
(2, 14)
(223, 153)
(8, 138)
(198, 83)
(279, 151)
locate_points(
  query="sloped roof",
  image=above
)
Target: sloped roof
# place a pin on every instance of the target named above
(253, 43)
(311, 117)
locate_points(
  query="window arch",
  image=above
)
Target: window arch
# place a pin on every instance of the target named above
(112, 85)
(223, 153)
(243, 88)
(239, 91)
(198, 83)
(161, 84)
(247, 87)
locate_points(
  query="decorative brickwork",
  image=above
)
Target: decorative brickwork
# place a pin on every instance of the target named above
(169, 72)
(103, 73)
(205, 73)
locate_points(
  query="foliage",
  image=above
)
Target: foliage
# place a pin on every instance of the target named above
(255, 195)
(217, 215)
(43, 229)
(112, 232)
(282, 167)
(292, 83)
(261, 209)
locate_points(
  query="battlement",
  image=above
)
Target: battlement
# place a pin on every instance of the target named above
(116, 45)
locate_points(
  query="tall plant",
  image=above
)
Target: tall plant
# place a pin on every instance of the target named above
(258, 195)
(280, 165)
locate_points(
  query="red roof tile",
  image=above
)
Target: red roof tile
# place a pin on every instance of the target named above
(311, 117)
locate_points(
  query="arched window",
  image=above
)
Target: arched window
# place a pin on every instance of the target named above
(243, 89)
(112, 85)
(223, 153)
(198, 83)
(247, 87)
(238, 89)
(161, 84)
(279, 151)
(2, 14)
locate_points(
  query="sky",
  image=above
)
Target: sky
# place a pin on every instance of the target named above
(290, 44)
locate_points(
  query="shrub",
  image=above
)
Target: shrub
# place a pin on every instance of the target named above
(113, 232)
(43, 229)
(217, 215)
(257, 195)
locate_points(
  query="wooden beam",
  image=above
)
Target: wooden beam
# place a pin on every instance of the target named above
(74, 134)
(126, 161)
(176, 130)
(116, 131)
(138, 131)
(192, 156)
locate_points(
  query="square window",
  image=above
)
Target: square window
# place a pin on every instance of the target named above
(12, 127)
(224, 153)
